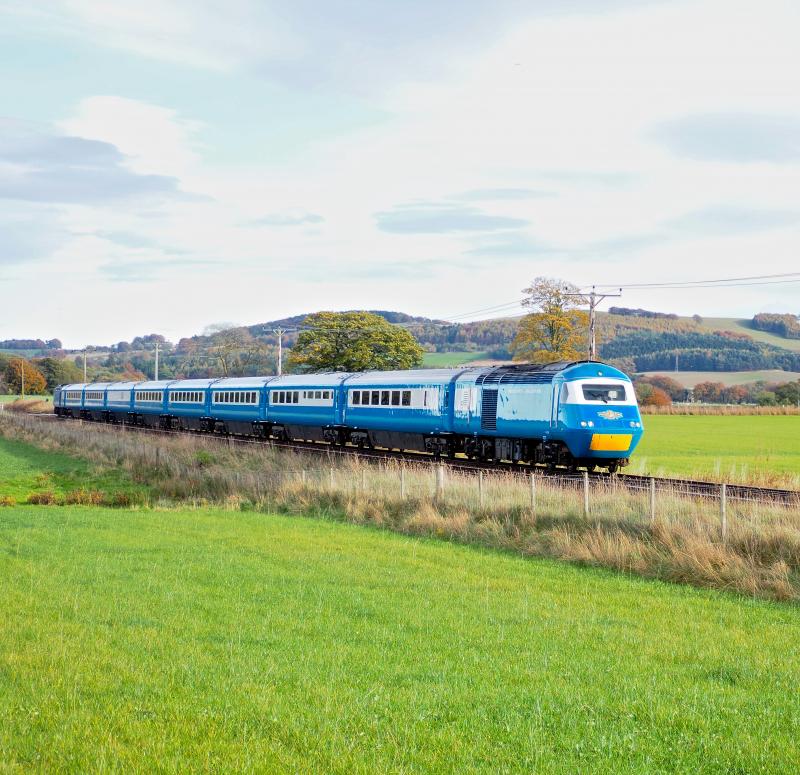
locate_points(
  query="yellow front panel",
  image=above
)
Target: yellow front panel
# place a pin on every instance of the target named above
(611, 442)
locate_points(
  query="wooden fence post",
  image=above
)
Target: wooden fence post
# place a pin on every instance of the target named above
(363, 480)
(402, 482)
(480, 488)
(652, 498)
(533, 494)
(723, 510)
(586, 494)
(439, 480)
(331, 482)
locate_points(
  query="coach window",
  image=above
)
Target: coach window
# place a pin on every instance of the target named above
(406, 398)
(296, 396)
(384, 398)
(356, 397)
(376, 397)
(395, 398)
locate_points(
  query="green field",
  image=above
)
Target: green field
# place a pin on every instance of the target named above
(727, 446)
(25, 470)
(692, 378)
(218, 641)
(448, 360)
(743, 326)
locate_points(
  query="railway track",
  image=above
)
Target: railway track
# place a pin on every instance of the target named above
(633, 482)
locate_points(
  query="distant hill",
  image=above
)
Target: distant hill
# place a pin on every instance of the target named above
(636, 340)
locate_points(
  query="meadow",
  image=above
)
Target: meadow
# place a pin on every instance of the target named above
(30, 473)
(727, 378)
(760, 449)
(451, 359)
(218, 640)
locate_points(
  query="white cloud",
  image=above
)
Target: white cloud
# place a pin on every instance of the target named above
(548, 132)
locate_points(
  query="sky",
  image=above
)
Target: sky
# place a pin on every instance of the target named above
(170, 164)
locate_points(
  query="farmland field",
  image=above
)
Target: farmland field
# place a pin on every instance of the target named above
(692, 378)
(743, 326)
(213, 640)
(732, 448)
(448, 360)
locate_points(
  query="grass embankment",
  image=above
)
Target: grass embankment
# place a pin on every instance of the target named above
(31, 474)
(762, 450)
(206, 640)
(29, 405)
(760, 557)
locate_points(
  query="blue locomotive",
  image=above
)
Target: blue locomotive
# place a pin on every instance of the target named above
(575, 414)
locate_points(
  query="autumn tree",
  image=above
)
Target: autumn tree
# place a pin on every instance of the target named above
(709, 392)
(556, 329)
(353, 341)
(231, 351)
(649, 395)
(34, 382)
(57, 371)
(671, 387)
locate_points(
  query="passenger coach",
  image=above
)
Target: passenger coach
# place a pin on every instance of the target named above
(576, 414)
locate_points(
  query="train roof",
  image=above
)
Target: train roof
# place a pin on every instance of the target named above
(409, 376)
(323, 379)
(240, 382)
(196, 384)
(162, 384)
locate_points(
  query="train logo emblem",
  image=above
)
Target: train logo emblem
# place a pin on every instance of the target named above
(610, 414)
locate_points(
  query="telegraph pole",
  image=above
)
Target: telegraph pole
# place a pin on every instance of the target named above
(593, 299)
(84, 366)
(158, 344)
(279, 332)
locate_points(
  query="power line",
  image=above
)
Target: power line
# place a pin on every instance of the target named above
(786, 277)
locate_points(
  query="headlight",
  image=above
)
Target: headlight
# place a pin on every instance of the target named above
(583, 423)
(591, 424)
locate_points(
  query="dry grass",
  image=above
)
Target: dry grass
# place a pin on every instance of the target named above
(715, 409)
(683, 543)
(30, 406)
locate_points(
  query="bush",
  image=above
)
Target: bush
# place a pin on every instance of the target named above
(42, 499)
(7, 500)
(649, 395)
(83, 498)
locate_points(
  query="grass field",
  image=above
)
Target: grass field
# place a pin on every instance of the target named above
(216, 641)
(742, 326)
(447, 360)
(25, 470)
(725, 447)
(692, 378)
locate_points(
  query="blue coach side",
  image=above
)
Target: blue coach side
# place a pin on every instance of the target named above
(401, 409)
(71, 400)
(306, 406)
(119, 401)
(238, 403)
(150, 402)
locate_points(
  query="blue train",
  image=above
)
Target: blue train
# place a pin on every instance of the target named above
(575, 414)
